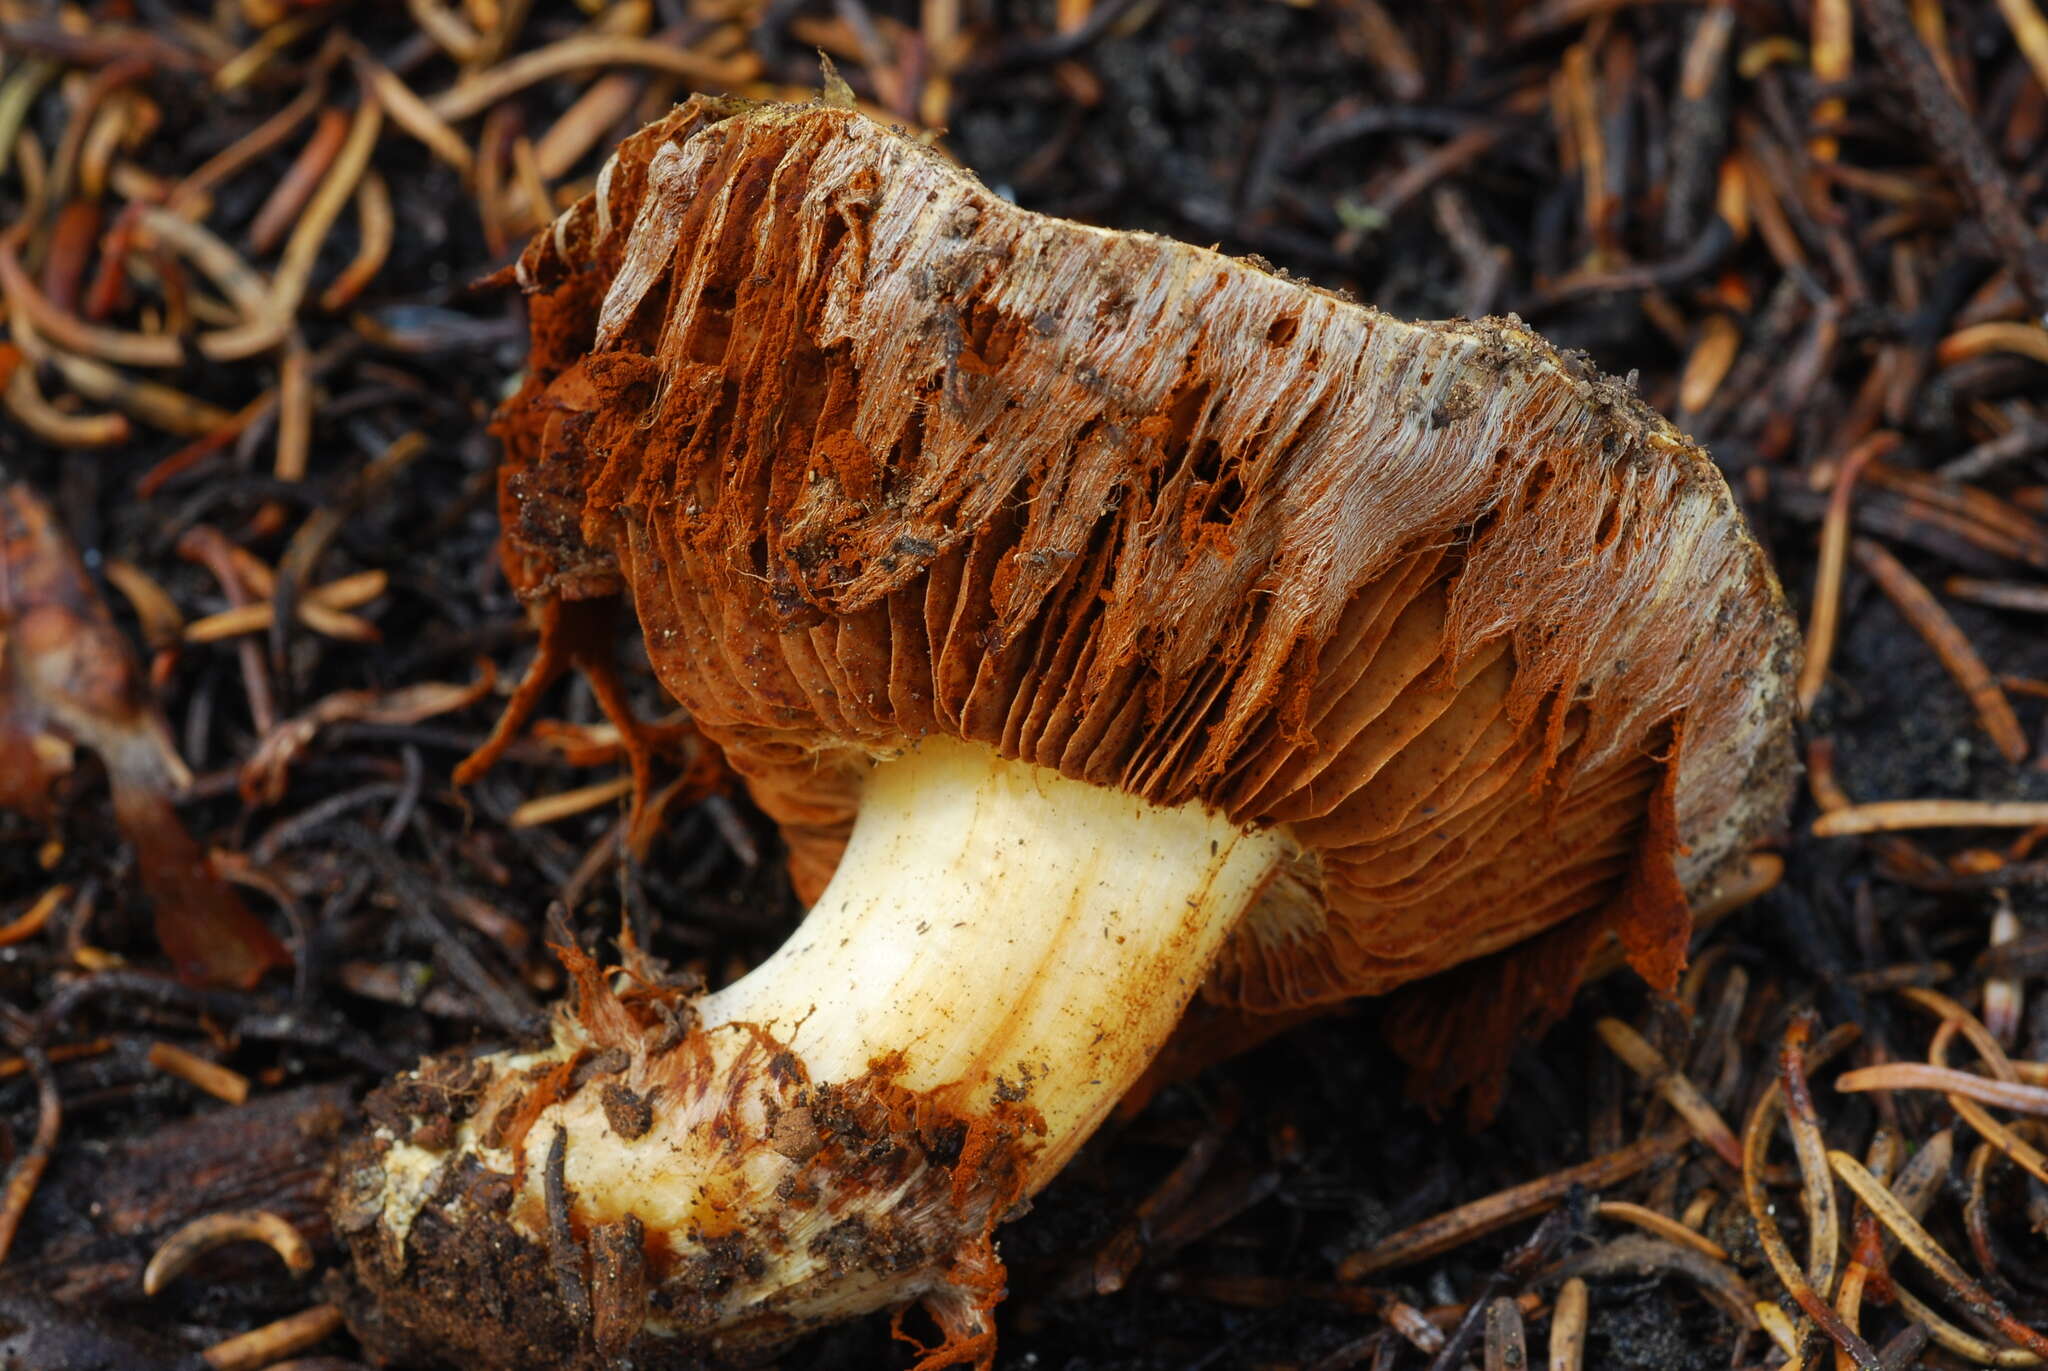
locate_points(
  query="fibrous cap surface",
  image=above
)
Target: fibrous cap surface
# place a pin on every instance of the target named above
(877, 455)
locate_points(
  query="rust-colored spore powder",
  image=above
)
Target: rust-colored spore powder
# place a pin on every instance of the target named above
(877, 455)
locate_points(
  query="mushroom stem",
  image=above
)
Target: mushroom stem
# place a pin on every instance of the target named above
(999, 954)
(1005, 930)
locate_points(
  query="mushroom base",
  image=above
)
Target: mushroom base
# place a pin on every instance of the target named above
(822, 1202)
(680, 1181)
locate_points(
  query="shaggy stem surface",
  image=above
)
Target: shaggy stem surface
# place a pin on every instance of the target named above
(1000, 954)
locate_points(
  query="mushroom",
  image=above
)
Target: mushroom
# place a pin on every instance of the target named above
(1102, 619)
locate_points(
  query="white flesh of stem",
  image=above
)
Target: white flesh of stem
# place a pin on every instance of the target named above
(993, 920)
(994, 932)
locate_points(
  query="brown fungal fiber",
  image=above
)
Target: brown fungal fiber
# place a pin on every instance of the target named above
(1100, 618)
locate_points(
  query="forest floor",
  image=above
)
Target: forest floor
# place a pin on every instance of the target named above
(1811, 232)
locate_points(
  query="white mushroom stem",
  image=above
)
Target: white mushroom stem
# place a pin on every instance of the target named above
(999, 955)
(996, 935)
(1002, 926)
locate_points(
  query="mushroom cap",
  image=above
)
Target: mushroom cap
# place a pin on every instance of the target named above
(877, 455)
